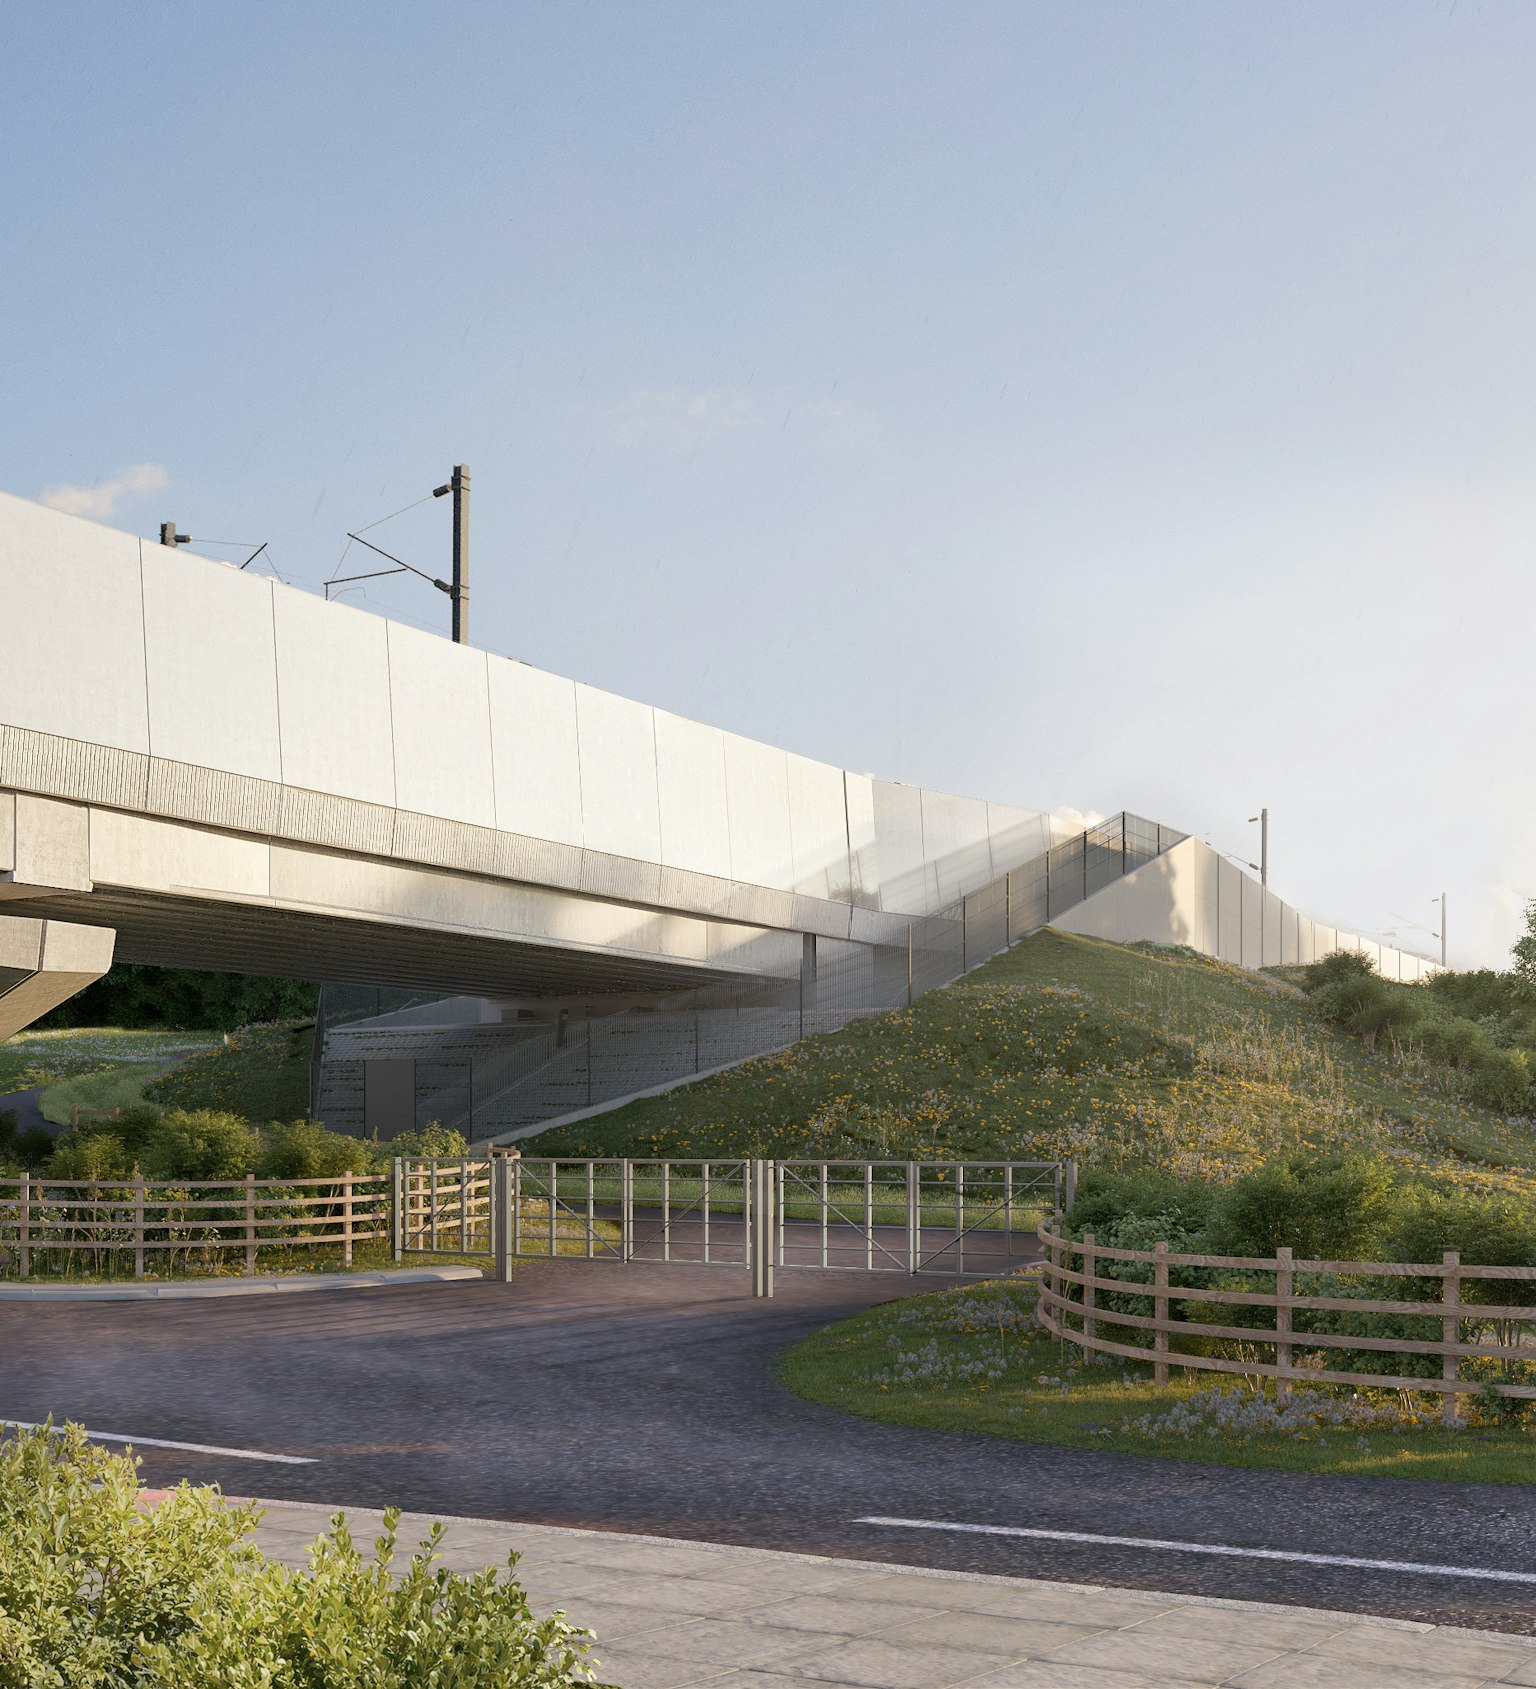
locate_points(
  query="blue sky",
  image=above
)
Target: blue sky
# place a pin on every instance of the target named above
(1092, 406)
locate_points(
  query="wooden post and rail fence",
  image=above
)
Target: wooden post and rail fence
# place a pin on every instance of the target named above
(1078, 1302)
(99, 1224)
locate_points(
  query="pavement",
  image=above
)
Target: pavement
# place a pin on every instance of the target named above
(27, 1106)
(643, 1400)
(259, 1284)
(667, 1613)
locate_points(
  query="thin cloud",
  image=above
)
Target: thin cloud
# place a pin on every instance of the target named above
(1069, 820)
(681, 421)
(138, 480)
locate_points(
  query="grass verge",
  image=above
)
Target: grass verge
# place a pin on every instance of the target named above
(48, 1058)
(972, 1359)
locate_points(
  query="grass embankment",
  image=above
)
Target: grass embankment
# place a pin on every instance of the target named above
(973, 1360)
(1116, 1056)
(262, 1072)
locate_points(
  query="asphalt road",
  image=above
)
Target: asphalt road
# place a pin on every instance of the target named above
(642, 1399)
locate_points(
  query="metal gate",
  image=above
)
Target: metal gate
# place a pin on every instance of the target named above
(967, 1218)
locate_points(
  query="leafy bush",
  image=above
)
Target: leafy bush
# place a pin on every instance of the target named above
(1332, 1207)
(201, 1143)
(429, 1140)
(99, 1591)
(1488, 1231)
(1106, 1200)
(31, 1149)
(304, 1149)
(91, 1155)
(1338, 967)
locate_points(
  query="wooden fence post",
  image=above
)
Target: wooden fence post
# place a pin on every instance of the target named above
(1090, 1293)
(138, 1224)
(24, 1230)
(1160, 1312)
(1285, 1283)
(250, 1222)
(1450, 1331)
(346, 1218)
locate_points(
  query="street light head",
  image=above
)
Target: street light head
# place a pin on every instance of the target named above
(442, 491)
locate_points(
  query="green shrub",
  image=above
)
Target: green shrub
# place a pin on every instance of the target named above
(201, 1143)
(90, 1155)
(1454, 1042)
(32, 1148)
(304, 1149)
(1487, 1230)
(1107, 1200)
(1337, 967)
(98, 1591)
(1501, 1079)
(135, 1125)
(429, 1140)
(1324, 1207)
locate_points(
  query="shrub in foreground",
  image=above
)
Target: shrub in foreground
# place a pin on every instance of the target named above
(100, 1591)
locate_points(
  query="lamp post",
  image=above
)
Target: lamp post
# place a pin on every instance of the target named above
(1263, 820)
(1441, 934)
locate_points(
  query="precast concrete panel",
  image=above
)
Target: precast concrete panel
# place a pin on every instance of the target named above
(451, 902)
(1253, 923)
(1017, 835)
(212, 662)
(1229, 892)
(619, 812)
(863, 856)
(441, 720)
(147, 854)
(535, 752)
(1206, 870)
(757, 792)
(1274, 929)
(818, 829)
(690, 785)
(957, 845)
(904, 883)
(73, 662)
(333, 698)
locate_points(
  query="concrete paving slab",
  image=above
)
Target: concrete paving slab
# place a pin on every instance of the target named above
(668, 1614)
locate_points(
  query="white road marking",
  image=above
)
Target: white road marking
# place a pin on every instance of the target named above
(162, 1443)
(1418, 1567)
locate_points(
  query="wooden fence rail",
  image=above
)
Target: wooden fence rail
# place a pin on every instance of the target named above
(107, 1219)
(1071, 1308)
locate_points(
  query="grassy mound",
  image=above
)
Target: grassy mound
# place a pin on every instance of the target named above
(262, 1072)
(1118, 1056)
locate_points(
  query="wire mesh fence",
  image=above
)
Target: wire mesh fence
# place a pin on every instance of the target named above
(498, 1083)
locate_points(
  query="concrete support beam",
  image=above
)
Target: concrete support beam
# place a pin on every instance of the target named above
(45, 846)
(44, 963)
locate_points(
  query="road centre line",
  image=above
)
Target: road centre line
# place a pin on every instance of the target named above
(162, 1443)
(1417, 1567)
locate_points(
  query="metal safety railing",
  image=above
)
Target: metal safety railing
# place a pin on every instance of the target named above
(963, 1218)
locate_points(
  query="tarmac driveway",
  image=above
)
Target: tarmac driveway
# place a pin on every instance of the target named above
(642, 1399)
